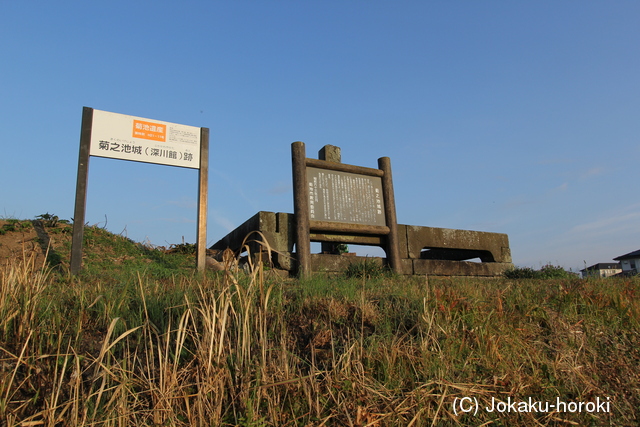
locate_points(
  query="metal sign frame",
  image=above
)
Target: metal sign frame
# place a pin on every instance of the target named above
(83, 177)
(334, 231)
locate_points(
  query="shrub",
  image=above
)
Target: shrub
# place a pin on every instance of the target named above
(48, 220)
(546, 272)
(520, 273)
(553, 272)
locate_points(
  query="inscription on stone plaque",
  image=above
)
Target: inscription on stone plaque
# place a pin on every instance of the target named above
(345, 197)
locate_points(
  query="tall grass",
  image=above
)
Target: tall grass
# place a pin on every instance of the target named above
(237, 349)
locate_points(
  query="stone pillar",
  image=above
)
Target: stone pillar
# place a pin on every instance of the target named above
(330, 153)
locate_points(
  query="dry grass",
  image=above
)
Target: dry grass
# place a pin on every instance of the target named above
(236, 349)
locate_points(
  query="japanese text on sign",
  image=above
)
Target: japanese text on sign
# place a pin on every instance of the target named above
(148, 130)
(345, 197)
(132, 138)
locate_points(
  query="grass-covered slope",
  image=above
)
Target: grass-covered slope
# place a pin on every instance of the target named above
(48, 241)
(140, 339)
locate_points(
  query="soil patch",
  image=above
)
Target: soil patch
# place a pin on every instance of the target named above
(22, 239)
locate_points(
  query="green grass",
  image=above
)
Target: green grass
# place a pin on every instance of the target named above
(140, 339)
(15, 225)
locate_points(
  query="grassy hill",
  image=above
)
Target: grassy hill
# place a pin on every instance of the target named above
(139, 338)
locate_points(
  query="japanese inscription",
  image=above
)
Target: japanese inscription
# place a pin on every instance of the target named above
(132, 138)
(345, 197)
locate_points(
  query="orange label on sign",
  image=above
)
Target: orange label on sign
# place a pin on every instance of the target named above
(149, 130)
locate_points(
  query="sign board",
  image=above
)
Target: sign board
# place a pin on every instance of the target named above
(123, 137)
(339, 202)
(345, 197)
(119, 136)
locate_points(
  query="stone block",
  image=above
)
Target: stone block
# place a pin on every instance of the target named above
(457, 244)
(338, 263)
(459, 268)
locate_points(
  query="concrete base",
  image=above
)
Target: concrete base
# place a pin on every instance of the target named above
(339, 263)
(423, 250)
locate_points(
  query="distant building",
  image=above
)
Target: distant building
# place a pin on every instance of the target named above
(630, 263)
(602, 269)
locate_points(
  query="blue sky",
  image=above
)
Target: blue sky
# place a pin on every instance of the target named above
(510, 117)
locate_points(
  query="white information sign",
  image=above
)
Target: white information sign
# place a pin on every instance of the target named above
(119, 136)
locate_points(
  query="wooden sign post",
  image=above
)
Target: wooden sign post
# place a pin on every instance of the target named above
(118, 136)
(333, 200)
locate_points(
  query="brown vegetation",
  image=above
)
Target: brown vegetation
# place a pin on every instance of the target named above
(132, 345)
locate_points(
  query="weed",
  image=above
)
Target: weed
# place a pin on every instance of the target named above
(48, 220)
(369, 268)
(546, 272)
(520, 273)
(554, 272)
(183, 248)
(15, 225)
(139, 339)
(341, 248)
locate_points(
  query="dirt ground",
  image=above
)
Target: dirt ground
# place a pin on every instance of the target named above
(27, 238)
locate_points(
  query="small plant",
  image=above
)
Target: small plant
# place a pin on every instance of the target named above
(183, 248)
(342, 248)
(14, 225)
(520, 273)
(368, 269)
(48, 220)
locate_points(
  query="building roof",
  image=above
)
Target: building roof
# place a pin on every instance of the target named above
(630, 255)
(604, 266)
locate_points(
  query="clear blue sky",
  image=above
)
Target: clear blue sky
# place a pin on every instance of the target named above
(511, 117)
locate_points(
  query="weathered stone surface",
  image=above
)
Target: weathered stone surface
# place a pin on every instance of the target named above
(407, 267)
(213, 264)
(338, 263)
(458, 268)
(276, 228)
(447, 243)
(402, 241)
(234, 239)
(330, 153)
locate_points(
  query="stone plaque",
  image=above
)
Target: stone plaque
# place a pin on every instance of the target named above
(345, 197)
